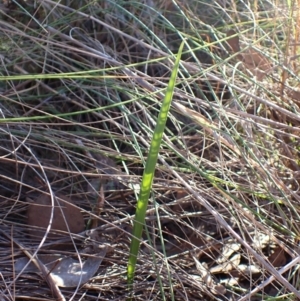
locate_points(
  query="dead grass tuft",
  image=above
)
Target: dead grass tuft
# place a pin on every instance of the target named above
(81, 85)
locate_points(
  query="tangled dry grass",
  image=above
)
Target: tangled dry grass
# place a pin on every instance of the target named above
(81, 86)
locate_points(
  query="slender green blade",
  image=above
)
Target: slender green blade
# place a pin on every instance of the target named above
(148, 175)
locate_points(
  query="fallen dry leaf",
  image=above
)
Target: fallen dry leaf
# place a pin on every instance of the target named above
(65, 271)
(65, 216)
(253, 60)
(206, 277)
(278, 258)
(228, 266)
(233, 41)
(227, 250)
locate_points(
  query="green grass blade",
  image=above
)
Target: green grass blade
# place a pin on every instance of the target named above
(148, 175)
